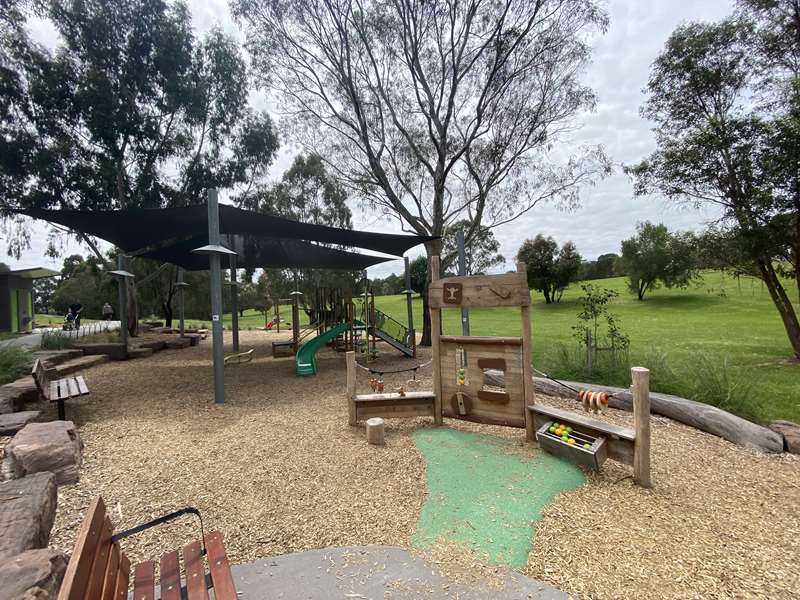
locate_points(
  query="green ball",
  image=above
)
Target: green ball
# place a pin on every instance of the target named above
(569, 429)
(556, 425)
(565, 437)
(552, 430)
(587, 446)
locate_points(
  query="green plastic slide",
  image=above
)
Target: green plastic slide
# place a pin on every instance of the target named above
(306, 361)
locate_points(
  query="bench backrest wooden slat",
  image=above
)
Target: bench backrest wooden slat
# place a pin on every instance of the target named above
(123, 578)
(170, 573)
(101, 555)
(76, 577)
(144, 581)
(42, 376)
(52, 395)
(112, 572)
(195, 571)
(220, 568)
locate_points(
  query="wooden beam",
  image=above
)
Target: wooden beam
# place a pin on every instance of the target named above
(351, 387)
(436, 324)
(527, 359)
(641, 418)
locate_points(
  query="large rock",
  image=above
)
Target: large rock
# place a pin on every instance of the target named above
(14, 395)
(32, 575)
(11, 423)
(27, 511)
(114, 350)
(791, 435)
(54, 446)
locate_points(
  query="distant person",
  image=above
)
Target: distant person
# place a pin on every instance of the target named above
(76, 311)
(108, 312)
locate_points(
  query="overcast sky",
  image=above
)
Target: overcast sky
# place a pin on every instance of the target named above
(618, 73)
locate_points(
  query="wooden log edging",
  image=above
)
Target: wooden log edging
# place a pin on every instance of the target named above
(701, 416)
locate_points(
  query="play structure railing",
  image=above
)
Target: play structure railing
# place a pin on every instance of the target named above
(392, 328)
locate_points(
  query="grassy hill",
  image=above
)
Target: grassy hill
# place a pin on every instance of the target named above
(721, 341)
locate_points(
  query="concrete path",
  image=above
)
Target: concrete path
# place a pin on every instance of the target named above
(372, 573)
(33, 341)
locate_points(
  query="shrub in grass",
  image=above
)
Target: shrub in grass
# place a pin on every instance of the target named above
(56, 341)
(14, 363)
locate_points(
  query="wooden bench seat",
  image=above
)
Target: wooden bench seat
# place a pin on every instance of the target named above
(99, 569)
(55, 389)
(392, 405)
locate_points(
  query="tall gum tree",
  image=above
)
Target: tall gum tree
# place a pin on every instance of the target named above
(434, 112)
(130, 110)
(723, 123)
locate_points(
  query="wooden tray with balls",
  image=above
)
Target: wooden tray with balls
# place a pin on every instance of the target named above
(566, 441)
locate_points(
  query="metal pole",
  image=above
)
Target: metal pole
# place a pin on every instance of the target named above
(123, 302)
(181, 285)
(410, 307)
(234, 304)
(462, 271)
(216, 299)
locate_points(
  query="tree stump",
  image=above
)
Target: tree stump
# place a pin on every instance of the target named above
(375, 430)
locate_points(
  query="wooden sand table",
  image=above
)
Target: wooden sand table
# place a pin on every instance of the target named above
(721, 521)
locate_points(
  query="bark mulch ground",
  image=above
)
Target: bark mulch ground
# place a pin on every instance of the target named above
(277, 470)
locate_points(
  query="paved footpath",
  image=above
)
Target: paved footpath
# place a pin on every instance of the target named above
(372, 573)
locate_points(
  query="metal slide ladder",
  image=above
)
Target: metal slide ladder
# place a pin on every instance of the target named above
(392, 332)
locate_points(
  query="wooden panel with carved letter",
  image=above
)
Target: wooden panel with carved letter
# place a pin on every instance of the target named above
(510, 289)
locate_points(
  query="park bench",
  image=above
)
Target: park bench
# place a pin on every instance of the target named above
(55, 389)
(99, 569)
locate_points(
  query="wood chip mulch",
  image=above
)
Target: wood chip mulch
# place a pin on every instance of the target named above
(277, 470)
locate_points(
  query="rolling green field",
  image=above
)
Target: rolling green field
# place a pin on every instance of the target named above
(721, 333)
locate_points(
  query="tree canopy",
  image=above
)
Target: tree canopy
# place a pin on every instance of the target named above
(656, 256)
(725, 100)
(434, 112)
(549, 269)
(131, 109)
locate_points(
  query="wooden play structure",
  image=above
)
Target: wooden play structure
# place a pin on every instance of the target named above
(464, 389)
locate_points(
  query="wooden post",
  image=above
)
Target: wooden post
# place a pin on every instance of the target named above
(641, 418)
(351, 386)
(375, 431)
(436, 321)
(527, 359)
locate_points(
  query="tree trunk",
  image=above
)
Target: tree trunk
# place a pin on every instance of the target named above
(433, 248)
(782, 303)
(546, 292)
(166, 309)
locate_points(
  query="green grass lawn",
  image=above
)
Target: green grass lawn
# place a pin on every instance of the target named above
(691, 333)
(43, 320)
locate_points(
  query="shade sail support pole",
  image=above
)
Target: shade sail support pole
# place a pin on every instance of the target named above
(181, 306)
(234, 304)
(462, 271)
(410, 307)
(216, 299)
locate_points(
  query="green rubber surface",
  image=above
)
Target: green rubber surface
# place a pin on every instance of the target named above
(483, 493)
(305, 361)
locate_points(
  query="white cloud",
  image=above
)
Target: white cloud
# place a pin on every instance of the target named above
(618, 73)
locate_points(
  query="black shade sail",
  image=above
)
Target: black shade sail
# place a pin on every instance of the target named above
(257, 252)
(133, 229)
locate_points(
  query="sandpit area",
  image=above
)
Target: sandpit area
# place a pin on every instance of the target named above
(278, 470)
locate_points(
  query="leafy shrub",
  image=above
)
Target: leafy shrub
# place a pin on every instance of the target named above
(56, 341)
(14, 363)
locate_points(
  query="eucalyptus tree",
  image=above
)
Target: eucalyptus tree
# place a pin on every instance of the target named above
(726, 108)
(131, 109)
(434, 112)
